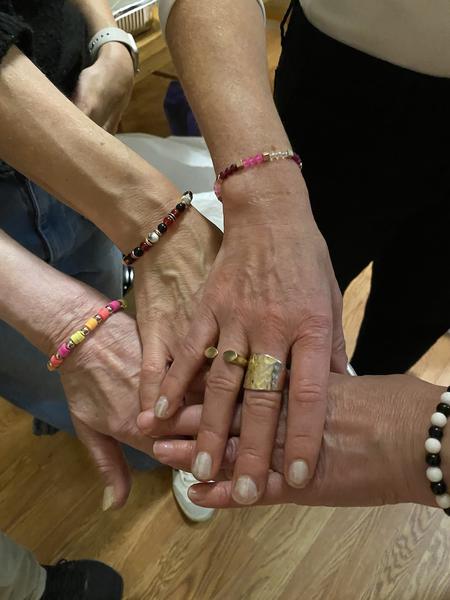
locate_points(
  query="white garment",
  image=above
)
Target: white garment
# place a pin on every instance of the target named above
(410, 33)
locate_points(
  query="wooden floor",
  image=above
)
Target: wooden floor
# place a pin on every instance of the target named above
(50, 501)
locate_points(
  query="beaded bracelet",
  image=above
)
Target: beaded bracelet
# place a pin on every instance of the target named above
(433, 457)
(253, 161)
(154, 236)
(66, 348)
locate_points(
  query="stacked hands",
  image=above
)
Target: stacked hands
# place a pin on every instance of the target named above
(266, 288)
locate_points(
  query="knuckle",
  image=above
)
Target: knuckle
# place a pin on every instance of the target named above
(220, 383)
(308, 392)
(190, 350)
(262, 406)
(151, 373)
(317, 328)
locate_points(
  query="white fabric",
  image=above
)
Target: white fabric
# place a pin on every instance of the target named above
(410, 33)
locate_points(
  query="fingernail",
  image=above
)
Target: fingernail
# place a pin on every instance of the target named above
(161, 449)
(351, 371)
(161, 407)
(202, 466)
(298, 473)
(196, 494)
(245, 490)
(108, 498)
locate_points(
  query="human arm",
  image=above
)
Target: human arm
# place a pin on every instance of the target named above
(53, 143)
(372, 451)
(272, 288)
(104, 88)
(100, 377)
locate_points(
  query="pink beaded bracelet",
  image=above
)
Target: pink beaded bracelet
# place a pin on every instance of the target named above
(253, 161)
(66, 348)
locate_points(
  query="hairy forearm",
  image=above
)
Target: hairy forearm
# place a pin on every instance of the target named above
(47, 138)
(39, 301)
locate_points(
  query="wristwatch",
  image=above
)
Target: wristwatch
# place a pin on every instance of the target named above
(114, 34)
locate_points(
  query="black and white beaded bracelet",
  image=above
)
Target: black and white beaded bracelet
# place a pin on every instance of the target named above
(433, 457)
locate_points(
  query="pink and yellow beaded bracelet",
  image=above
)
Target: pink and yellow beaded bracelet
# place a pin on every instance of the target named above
(66, 348)
(253, 161)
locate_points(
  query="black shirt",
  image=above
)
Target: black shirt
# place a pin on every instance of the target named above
(52, 33)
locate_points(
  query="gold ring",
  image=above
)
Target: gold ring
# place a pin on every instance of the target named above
(211, 352)
(233, 358)
(265, 373)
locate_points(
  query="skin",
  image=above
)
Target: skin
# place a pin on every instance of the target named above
(272, 288)
(62, 149)
(372, 452)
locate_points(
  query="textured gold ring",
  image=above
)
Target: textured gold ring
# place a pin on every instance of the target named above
(265, 373)
(233, 358)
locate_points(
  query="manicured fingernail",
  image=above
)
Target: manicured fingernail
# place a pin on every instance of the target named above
(202, 466)
(161, 407)
(350, 370)
(298, 474)
(196, 494)
(108, 498)
(245, 490)
(162, 449)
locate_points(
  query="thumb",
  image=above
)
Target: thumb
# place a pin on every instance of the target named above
(110, 461)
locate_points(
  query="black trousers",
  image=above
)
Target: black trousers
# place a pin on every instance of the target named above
(375, 143)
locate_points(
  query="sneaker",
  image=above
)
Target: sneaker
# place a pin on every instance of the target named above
(82, 580)
(181, 482)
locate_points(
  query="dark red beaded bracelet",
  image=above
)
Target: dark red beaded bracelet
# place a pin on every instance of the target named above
(154, 236)
(253, 161)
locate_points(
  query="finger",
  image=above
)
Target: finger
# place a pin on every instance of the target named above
(310, 368)
(188, 360)
(260, 414)
(155, 361)
(219, 495)
(110, 461)
(339, 358)
(222, 390)
(179, 454)
(185, 422)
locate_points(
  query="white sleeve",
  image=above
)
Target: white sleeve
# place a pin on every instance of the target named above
(165, 6)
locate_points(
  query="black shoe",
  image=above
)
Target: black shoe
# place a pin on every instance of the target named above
(82, 580)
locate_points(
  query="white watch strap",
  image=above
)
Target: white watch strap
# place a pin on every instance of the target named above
(114, 34)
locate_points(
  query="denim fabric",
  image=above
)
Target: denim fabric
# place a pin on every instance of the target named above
(73, 245)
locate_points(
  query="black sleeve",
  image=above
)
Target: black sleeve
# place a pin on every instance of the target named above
(14, 32)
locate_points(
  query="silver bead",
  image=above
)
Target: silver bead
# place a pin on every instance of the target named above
(154, 237)
(98, 318)
(85, 331)
(70, 344)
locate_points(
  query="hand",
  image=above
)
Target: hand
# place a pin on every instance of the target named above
(168, 282)
(104, 89)
(101, 383)
(271, 290)
(372, 451)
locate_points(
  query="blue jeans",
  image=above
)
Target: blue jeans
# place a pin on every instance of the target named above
(73, 245)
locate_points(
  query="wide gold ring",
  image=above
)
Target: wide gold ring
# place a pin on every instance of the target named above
(265, 373)
(233, 358)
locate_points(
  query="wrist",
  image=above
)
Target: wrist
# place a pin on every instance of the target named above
(420, 401)
(269, 192)
(118, 59)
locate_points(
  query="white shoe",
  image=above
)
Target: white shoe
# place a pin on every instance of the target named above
(181, 482)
